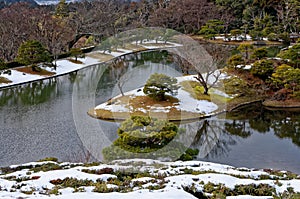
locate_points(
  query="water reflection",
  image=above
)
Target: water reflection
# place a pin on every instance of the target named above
(36, 119)
(251, 136)
(30, 94)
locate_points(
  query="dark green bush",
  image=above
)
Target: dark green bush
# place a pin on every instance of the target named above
(262, 69)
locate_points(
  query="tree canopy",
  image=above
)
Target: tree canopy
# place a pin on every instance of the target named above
(292, 55)
(32, 52)
(158, 85)
(145, 132)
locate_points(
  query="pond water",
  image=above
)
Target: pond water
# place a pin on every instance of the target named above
(49, 119)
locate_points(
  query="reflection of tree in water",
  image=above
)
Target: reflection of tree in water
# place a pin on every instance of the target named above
(283, 123)
(118, 72)
(287, 125)
(215, 136)
(30, 94)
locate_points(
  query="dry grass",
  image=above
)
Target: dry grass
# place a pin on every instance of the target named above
(4, 80)
(134, 47)
(291, 103)
(196, 91)
(75, 61)
(101, 56)
(157, 44)
(28, 70)
(145, 103)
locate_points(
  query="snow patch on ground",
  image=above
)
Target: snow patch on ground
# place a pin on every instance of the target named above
(186, 101)
(175, 179)
(65, 66)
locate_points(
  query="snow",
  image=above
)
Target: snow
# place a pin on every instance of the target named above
(143, 179)
(186, 101)
(52, 2)
(175, 179)
(233, 38)
(249, 197)
(245, 67)
(64, 66)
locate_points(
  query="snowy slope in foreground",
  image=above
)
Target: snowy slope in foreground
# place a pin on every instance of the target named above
(168, 178)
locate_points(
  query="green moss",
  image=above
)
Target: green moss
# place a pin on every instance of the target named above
(73, 182)
(46, 167)
(48, 159)
(102, 188)
(189, 154)
(80, 189)
(54, 191)
(217, 190)
(254, 190)
(172, 151)
(287, 195)
(98, 171)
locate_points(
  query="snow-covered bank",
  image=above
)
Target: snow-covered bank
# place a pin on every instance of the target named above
(64, 66)
(188, 106)
(186, 102)
(139, 178)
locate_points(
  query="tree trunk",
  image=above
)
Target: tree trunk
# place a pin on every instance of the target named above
(120, 88)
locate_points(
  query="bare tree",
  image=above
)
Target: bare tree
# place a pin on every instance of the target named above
(15, 29)
(99, 16)
(204, 59)
(119, 67)
(219, 55)
(20, 23)
(186, 15)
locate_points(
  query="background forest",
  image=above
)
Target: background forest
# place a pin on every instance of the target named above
(57, 27)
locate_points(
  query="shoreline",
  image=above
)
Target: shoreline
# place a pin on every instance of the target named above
(86, 62)
(90, 61)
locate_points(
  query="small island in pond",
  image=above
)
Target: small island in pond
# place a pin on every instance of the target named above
(164, 97)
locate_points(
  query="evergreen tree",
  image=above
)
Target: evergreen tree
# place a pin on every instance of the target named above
(292, 55)
(158, 85)
(76, 52)
(245, 48)
(2, 64)
(259, 53)
(61, 9)
(262, 69)
(32, 52)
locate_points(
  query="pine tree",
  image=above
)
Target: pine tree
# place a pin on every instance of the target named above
(32, 52)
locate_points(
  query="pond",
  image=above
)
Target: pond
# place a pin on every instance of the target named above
(49, 119)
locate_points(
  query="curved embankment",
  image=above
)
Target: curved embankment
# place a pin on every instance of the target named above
(287, 104)
(67, 66)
